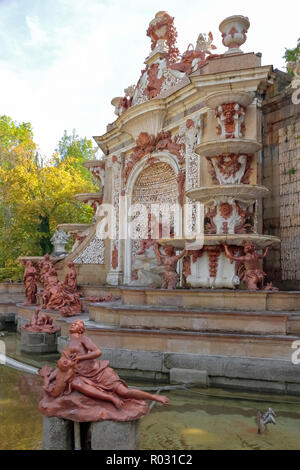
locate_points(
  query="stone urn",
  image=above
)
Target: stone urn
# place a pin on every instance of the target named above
(234, 30)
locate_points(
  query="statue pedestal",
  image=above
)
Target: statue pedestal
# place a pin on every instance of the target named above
(63, 434)
(39, 342)
(58, 434)
(115, 435)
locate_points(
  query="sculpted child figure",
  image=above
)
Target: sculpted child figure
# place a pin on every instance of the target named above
(171, 277)
(253, 273)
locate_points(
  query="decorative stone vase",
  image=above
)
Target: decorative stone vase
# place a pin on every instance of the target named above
(234, 30)
(59, 241)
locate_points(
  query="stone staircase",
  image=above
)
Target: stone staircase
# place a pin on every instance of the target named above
(147, 332)
(197, 329)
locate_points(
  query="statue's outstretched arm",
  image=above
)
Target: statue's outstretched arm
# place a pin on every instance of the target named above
(265, 253)
(230, 256)
(181, 255)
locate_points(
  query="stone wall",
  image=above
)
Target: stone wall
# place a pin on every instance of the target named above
(289, 163)
(281, 174)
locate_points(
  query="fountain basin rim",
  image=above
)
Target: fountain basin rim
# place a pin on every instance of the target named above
(213, 148)
(74, 227)
(243, 98)
(93, 163)
(82, 197)
(261, 241)
(243, 192)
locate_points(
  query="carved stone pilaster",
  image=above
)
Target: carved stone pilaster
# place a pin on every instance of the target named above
(115, 275)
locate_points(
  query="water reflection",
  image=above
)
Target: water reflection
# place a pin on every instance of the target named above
(20, 420)
(196, 419)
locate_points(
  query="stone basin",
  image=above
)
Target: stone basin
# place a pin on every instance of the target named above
(243, 98)
(73, 228)
(242, 192)
(261, 241)
(85, 197)
(226, 146)
(93, 163)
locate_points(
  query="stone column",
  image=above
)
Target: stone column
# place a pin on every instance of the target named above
(115, 275)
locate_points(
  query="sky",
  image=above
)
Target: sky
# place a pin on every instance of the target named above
(62, 61)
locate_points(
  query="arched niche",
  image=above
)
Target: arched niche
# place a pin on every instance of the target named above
(153, 180)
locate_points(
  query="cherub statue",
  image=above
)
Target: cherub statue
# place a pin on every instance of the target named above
(169, 260)
(253, 273)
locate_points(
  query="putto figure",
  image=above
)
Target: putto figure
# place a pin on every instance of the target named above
(83, 388)
(169, 260)
(254, 275)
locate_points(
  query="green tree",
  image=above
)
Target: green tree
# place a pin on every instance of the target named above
(16, 140)
(78, 150)
(35, 197)
(291, 55)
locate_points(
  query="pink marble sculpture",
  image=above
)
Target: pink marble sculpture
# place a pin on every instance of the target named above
(61, 296)
(44, 266)
(31, 282)
(83, 388)
(169, 260)
(40, 323)
(254, 275)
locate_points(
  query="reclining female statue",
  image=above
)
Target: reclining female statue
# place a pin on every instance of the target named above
(79, 370)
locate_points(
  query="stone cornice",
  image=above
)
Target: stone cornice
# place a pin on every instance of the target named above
(250, 79)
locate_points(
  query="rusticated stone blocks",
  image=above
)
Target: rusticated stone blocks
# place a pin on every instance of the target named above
(39, 343)
(115, 435)
(189, 376)
(58, 434)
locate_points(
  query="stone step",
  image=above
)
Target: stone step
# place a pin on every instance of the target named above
(10, 290)
(7, 307)
(192, 342)
(213, 299)
(88, 290)
(150, 317)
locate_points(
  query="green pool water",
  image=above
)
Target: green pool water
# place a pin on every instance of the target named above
(195, 419)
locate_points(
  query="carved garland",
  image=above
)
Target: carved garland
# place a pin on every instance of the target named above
(146, 143)
(243, 225)
(228, 165)
(213, 255)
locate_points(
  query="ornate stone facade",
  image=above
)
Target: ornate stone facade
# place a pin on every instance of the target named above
(93, 253)
(230, 168)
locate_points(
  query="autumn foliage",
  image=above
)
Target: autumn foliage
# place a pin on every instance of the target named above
(37, 195)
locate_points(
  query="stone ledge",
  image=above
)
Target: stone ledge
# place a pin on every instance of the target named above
(39, 342)
(189, 376)
(151, 365)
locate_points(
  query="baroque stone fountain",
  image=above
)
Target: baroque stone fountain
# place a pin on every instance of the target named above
(231, 195)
